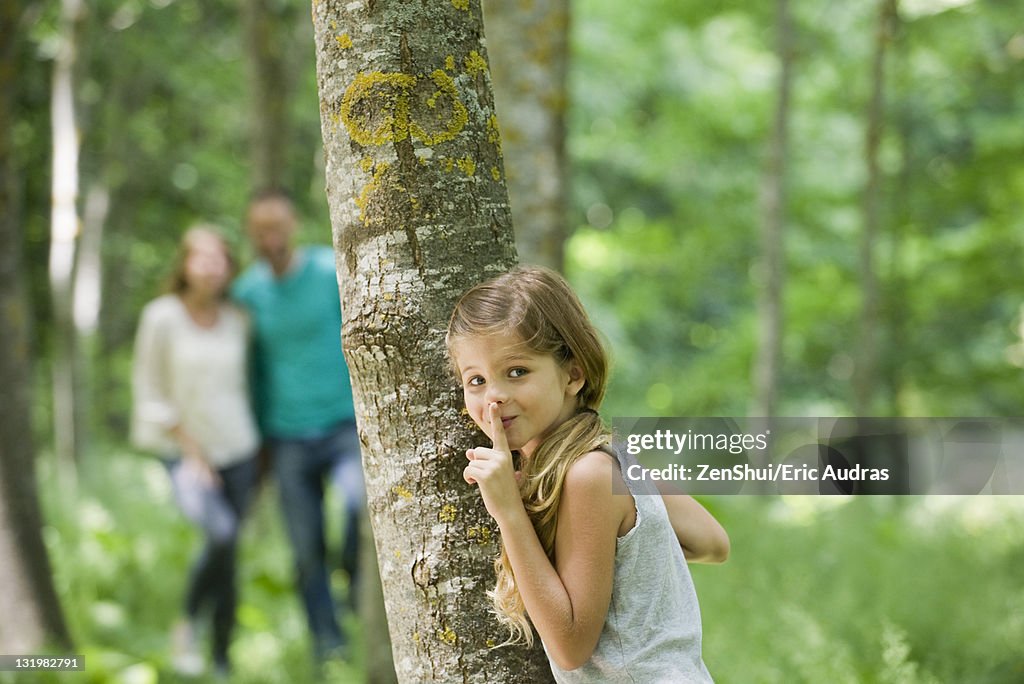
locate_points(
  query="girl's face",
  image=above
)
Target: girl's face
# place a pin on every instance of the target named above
(207, 269)
(533, 391)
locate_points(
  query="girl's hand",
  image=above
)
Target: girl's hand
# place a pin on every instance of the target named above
(492, 470)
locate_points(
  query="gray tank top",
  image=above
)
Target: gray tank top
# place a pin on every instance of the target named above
(652, 634)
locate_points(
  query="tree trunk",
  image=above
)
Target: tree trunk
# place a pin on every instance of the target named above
(420, 212)
(896, 307)
(63, 241)
(28, 603)
(529, 56)
(772, 266)
(268, 89)
(866, 370)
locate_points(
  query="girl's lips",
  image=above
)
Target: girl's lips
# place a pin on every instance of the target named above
(505, 422)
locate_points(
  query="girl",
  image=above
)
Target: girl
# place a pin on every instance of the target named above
(602, 577)
(191, 406)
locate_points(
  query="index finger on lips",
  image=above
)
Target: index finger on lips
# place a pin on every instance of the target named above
(500, 442)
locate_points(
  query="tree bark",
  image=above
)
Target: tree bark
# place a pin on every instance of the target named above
(28, 603)
(772, 266)
(420, 212)
(866, 369)
(529, 49)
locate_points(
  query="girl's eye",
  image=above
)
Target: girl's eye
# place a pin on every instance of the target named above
(517, 372)
(475, 381)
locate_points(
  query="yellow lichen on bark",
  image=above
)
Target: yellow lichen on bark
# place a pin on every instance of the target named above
(461, 5)
(493, 134)
(448, 513)
(459, 114)
(402, 491)
(373, 186)
(475, 64)
(378, 92)
(479, 533)
(467, 166)
(344, 41)
(376, 109)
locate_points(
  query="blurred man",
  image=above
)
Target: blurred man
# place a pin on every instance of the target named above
(303, 400)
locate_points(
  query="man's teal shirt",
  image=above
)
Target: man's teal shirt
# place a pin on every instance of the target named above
(301, 385)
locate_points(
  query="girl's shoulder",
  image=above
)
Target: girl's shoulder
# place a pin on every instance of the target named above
(596, 478)
(592, 465)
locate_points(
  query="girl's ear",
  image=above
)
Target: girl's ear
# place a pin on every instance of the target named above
(576, 378)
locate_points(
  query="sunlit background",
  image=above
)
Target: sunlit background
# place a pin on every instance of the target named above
(670, 117)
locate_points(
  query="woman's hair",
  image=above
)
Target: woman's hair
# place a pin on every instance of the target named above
(176, 282)
(537, 306)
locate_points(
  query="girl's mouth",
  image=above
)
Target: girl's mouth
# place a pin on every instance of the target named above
(505, 422)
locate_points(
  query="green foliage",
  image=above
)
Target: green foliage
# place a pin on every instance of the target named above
(871, 590)
(121, 553)
(672, 109)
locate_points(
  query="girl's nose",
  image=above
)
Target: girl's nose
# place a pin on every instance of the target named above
(496, 391)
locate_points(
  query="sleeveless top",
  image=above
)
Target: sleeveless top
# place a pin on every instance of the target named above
(652, 633)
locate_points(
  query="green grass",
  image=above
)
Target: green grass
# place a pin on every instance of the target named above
(870, 590)
(121, 551)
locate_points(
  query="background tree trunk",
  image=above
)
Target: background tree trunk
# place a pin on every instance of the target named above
(28, 603)
(528, 43)
(420, 213)
(269, 86)
(897, 309)
(772, 266)
(63, 241)
(866, 370)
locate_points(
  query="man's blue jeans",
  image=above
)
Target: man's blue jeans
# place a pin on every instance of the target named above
(301, 467)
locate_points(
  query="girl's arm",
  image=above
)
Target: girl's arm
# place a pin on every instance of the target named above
(567, 603)
(703, 538)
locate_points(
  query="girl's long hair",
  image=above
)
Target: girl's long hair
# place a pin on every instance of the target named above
(537, 306)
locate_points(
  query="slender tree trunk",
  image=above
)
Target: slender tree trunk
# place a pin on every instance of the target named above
(896, 304)
(63, 241)
(772, 266)
(266, 45)
(420, 212)
(529, 48)
(28, 603)
(866, 370)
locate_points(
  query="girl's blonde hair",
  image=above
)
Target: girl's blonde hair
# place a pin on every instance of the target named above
(177, 282)
(537, 306)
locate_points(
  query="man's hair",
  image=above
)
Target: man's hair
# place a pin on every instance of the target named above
(272, 192)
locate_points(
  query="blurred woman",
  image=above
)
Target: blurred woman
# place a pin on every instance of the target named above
(192, 407)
